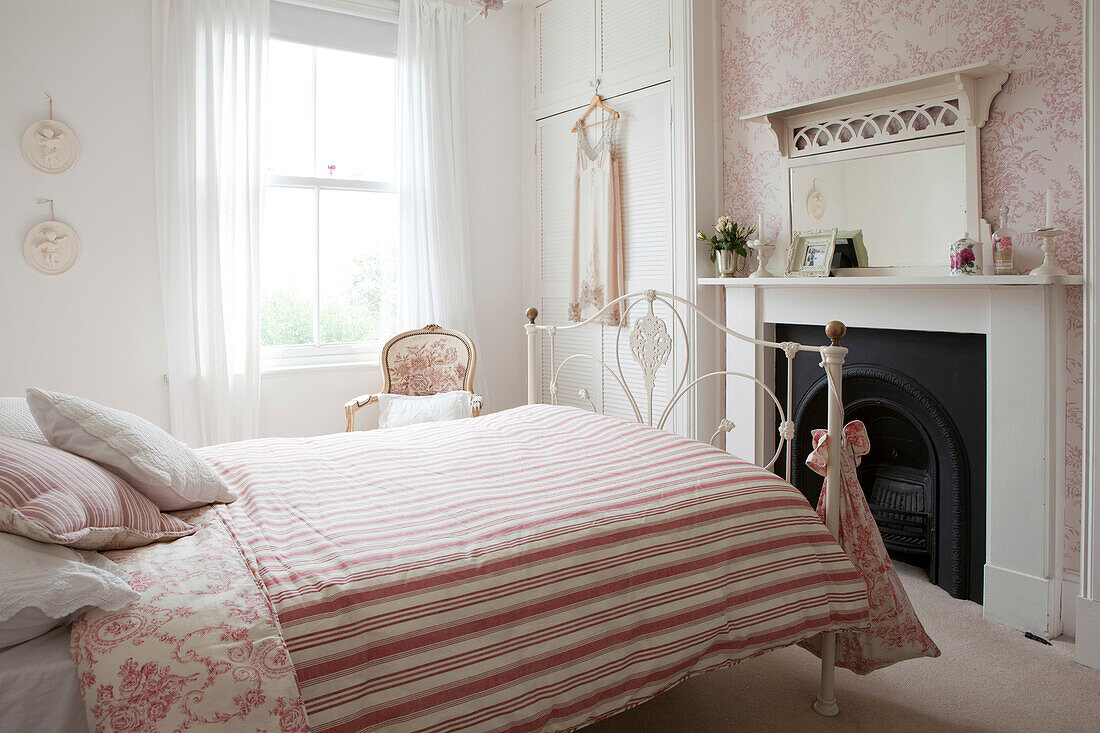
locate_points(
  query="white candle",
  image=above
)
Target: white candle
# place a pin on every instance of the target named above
(1050, 208)
(760, 227)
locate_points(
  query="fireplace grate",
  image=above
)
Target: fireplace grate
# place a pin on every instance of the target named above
(898, 497)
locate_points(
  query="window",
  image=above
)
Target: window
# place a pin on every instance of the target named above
(328, 247)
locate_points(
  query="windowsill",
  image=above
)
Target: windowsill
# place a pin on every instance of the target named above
(276, 369)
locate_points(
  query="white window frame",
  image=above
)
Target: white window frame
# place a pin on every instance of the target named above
(302, 355)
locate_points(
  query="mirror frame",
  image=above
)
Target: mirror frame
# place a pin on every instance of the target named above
(877, 120)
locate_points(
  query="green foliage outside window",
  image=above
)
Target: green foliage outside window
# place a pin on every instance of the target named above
(286, 316)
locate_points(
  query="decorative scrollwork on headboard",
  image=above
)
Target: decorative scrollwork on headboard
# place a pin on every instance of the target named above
(651, 345)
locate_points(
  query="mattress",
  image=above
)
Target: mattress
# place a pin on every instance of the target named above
(39, 691)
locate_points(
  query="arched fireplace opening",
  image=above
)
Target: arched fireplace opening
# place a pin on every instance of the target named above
(924, 477)
(916, 455)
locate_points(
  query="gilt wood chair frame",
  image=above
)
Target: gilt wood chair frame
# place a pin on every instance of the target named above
(650, 344)
(353, 406)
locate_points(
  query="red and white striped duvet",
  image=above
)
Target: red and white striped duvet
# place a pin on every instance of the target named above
(535, 569)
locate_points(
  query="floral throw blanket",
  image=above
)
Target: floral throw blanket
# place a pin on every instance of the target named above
(895, 633)
(200, 650)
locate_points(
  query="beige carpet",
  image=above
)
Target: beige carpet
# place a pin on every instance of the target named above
(989, 678)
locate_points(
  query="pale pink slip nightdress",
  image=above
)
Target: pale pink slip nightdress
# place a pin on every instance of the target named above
(597, 276)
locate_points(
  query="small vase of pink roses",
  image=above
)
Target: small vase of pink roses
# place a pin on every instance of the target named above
(728, 246)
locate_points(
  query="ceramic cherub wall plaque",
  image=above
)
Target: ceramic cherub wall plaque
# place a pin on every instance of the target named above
(50, 146)
(51, 247)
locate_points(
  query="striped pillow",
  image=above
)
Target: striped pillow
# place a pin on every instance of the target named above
(49, 495)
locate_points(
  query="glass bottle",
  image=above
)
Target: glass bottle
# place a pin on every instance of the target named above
(1004, 262)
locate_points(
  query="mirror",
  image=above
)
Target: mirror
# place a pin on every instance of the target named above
(910, 205)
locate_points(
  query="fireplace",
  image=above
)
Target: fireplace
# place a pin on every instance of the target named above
(922, 396)
(1007, 402)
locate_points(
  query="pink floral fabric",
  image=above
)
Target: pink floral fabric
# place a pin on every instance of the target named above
(895, 633)
(427, 364)
(201, 649)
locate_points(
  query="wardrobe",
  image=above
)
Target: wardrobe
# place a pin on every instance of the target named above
(654, 62)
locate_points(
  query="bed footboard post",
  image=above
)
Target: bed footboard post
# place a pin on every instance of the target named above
(532, 333)
(833, 361)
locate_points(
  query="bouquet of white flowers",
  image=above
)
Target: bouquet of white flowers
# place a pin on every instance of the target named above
(728, 235)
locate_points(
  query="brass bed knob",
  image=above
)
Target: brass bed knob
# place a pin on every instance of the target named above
(835, 330)
(532, 314)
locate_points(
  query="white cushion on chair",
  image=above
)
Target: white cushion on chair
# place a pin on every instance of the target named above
(396, 410)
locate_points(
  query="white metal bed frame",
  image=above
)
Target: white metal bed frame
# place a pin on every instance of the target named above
(651, 342)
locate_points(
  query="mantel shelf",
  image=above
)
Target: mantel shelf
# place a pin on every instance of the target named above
(894, 281)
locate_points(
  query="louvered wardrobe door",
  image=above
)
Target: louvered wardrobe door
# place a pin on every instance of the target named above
(555, 164)
(643, 149)
(565, 51)
(635, 39)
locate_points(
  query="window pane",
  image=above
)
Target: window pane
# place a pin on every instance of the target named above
(288, 274)
(288, 112)
(355, 111)
(358, 266)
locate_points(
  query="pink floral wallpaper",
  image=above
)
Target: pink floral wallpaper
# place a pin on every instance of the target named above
(777, 52)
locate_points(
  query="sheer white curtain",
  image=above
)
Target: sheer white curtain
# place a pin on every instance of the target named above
(435, 282)
(208, 60)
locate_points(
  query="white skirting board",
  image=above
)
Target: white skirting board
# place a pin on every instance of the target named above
(1088, 632)
(1019, 600)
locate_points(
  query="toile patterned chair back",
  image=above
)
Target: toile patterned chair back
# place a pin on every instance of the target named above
(428, 361)
(423, 362)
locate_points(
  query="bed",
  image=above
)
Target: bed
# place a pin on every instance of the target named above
(535, 569)
(37, 670)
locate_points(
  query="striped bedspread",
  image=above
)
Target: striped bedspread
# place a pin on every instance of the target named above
(530, 570)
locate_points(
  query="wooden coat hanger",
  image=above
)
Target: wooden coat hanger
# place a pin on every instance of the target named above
(594, 104)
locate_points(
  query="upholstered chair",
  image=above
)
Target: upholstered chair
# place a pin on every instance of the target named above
(423, 362)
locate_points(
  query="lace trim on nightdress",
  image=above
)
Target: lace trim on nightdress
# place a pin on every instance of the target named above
(606, 140)
(592, 295)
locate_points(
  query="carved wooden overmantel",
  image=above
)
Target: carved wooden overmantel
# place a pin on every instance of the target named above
(943, 109)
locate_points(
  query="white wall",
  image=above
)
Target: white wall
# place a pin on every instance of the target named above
(310, 401)
(493, 131)
(98, 330)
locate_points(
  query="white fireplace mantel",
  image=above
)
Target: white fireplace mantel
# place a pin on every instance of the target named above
(1023, 319)
(892, 281)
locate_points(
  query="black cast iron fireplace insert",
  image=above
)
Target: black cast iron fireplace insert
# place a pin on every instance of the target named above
(922, 397)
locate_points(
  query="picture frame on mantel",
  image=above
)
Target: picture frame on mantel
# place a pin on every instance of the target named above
(811, 253)
(849, 252)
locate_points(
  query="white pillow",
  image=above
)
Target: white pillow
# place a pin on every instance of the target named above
(46, 585)
(166, 471)
(16, 420)
(396, 410)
